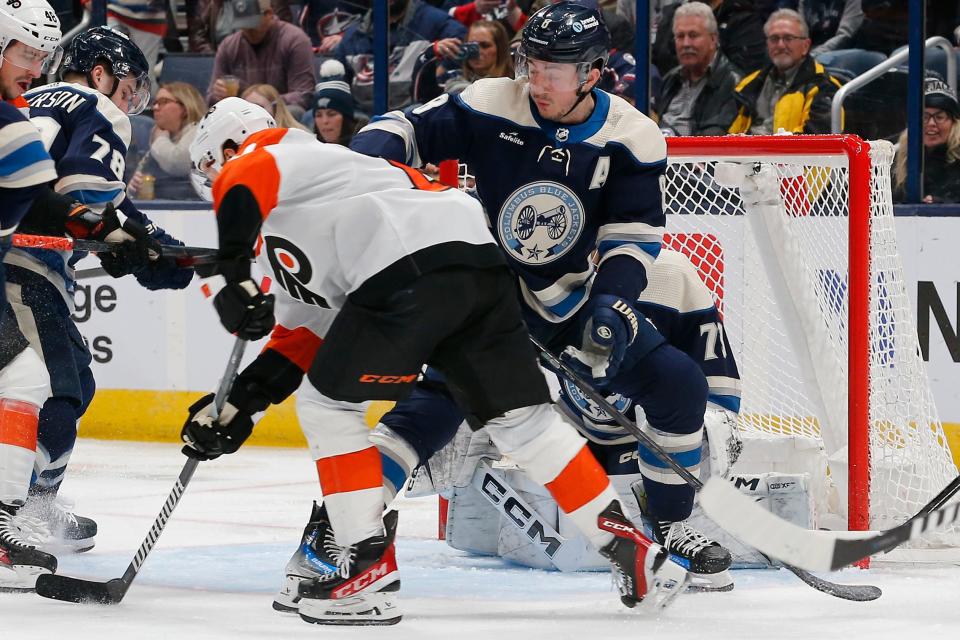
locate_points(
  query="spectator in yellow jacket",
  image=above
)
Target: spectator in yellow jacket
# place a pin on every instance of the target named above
(794, 92)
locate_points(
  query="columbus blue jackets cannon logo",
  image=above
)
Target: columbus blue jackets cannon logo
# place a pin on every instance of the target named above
(540, 222)
(600, 423)
(292, 270)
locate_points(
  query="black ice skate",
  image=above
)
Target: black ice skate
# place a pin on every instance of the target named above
(68, 532)
(363, 589)
(642, 570)
(20, 561)
(706, 560)
(317, 555)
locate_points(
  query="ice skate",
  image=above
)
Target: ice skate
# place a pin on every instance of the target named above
(642, 570)
(316, 556)
(706, 560)
(363, 590)
(20, 560)
(68, 532)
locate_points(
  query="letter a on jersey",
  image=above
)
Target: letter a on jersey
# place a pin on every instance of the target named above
(600, 172)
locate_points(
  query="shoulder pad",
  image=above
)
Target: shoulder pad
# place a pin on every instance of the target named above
(60, 94)
(499, 98)
(627, 127)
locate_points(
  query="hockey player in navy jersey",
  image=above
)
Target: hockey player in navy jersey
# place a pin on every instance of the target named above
(84, 127)
(29, 46)
(565, 170)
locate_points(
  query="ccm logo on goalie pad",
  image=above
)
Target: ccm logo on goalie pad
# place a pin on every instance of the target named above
(520, 515)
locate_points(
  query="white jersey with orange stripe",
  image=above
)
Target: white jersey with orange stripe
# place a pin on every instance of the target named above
(334, 221)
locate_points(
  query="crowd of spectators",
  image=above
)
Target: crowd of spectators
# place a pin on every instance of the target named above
(727, 67)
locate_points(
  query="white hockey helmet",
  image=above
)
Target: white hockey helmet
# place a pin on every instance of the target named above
(230, 121)
(35, 24)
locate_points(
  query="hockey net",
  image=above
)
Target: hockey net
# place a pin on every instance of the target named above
(814, 303)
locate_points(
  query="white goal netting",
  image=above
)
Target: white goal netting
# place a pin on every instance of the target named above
(779, 268)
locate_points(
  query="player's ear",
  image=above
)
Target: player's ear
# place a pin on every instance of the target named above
(593, 77)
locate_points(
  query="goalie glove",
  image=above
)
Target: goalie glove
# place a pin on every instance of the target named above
(611, 328)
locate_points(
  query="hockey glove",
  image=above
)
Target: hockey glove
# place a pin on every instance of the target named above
(136, 248)
(207, 438)
(244, 310)
(612, 325)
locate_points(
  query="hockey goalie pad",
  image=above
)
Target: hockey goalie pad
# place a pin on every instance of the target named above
(453, 465)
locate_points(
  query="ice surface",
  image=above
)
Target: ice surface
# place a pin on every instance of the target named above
(215, 569)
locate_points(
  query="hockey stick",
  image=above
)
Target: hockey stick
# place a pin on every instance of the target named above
(51, 585)
(939, 500)
(750, 511)
(184, 256)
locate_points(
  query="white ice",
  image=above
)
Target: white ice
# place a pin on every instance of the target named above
(217, 565)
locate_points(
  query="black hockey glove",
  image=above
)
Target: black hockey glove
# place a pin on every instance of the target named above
(244, 310)
(612, 326)
(137, 248)
(206, 438)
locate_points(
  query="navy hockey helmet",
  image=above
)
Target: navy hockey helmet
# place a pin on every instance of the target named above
(103, 44)
(566, 32)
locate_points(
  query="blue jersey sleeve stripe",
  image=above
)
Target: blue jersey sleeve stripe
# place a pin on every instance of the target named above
(565, 306)
(88, 196)
(21, 158)
(652, 248)
(730, 403)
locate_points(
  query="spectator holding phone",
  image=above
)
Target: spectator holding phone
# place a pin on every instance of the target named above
(506, 12)
(487, 55)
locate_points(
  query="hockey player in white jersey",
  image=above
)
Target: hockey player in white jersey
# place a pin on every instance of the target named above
(566, 171)
(84, 128)
(412, 275)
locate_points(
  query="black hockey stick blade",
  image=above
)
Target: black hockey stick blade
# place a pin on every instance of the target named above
(854, 592)
(51, 585)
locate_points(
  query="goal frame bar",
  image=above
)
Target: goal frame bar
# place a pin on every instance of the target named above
(857, 154)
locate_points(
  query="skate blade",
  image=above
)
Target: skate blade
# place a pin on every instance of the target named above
(20, 578)
(373, 609)
(710, 582)
(663, 595)
(59, 547)
(287, 600)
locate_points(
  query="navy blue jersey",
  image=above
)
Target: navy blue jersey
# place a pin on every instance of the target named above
(25, 165)
(554, 193)
(682, 308)
(87, 137)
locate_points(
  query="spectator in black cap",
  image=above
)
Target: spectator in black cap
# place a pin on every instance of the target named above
(334, 117)
(941, 147)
